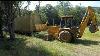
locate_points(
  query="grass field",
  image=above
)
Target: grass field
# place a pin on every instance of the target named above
(88, 45)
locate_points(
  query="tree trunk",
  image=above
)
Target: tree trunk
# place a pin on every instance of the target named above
(1, 32)
(11, 25)
(1, 23)
(11, 31)
(10, 16)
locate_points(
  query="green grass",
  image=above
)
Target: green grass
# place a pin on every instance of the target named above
(88, 45)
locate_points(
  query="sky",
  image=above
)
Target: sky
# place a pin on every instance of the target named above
(74, 3)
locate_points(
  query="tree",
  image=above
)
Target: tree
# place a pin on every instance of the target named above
(98, 18)
(10, 8)
(1, 22)
(63, 7)
(43, 14)
(38, 11)
(80, 12)
(47, 12)
(52, 14)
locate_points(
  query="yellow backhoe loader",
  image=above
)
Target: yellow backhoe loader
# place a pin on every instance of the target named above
(68, 34)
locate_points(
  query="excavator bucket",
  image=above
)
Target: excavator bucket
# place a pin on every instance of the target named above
(93, 28)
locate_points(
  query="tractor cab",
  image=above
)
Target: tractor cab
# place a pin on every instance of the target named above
(66, 22)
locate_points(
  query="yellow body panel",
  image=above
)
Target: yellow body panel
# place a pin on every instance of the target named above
(53, 30)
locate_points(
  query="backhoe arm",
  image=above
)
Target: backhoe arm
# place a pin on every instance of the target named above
(89, 17)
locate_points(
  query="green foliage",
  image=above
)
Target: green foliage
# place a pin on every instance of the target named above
(98, 18)
(97, 12)
(47, 12)
(78, 13)
(97, 9)
(40, 11)
(63, 8)
(43, 14)
(51, 12)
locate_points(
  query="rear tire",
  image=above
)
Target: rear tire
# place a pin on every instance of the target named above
(65, 36)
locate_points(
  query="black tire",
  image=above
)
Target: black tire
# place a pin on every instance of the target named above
(65, 36)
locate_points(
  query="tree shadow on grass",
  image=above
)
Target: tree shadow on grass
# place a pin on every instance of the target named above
(34, 34)
(18, 48)
(43, 37)
(38, 35)
(86, 42)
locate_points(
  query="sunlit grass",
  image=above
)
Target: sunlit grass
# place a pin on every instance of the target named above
(88, 45)
(88, 34)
